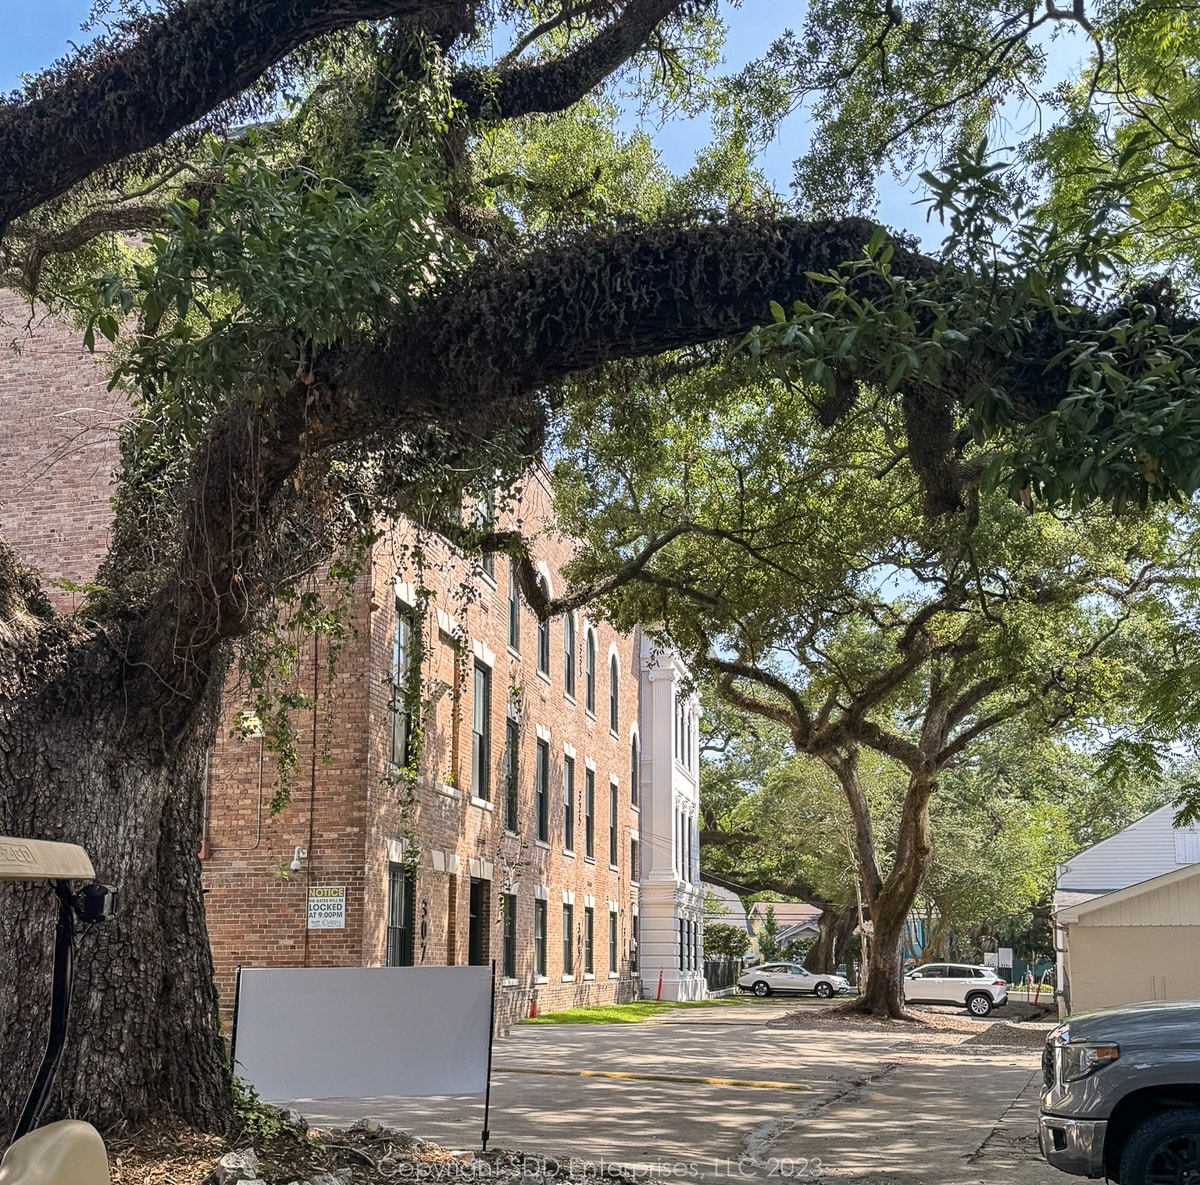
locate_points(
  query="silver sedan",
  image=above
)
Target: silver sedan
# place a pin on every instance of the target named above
(791, 977)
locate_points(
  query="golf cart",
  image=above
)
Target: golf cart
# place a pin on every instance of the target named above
(68, 1152)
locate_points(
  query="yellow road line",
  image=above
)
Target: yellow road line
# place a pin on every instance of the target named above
(691, 1079)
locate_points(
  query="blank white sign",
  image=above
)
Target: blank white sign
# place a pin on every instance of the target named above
(363, 1032)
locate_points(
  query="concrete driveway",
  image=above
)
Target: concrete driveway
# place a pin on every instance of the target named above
(719, 1095)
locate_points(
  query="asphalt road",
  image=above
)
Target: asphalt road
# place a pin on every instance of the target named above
(718, 1095)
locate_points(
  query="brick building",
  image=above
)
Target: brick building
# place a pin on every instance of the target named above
(472, 784)
(58, 424)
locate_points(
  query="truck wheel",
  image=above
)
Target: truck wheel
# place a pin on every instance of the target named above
(1164, 1149)
(762, 989)
(824, 990)
(980, 1004)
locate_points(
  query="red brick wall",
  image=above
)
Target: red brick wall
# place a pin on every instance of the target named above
(257, 915)
(256, 905)
(58, 423)
(437, 822)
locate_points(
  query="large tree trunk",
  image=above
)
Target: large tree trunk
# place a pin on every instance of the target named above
(890, 898)
(82, 761)
(836, 926)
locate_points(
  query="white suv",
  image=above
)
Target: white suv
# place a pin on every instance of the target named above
(979, 988)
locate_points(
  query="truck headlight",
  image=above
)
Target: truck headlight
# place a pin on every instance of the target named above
(1078, 1061)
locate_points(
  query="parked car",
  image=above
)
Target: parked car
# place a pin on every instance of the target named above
(1122, 1088)
(979, 989)
(791, 977)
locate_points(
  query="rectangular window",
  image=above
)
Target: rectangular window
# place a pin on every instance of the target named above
(633, 943)
(404, 678)
(514, 607)
(612, 825)
(399, 917)
(541, 790)
(635, 771)
(589, 672)
(512, 741)
(589, 937)
(481, 733)
(508, 905)
(589, 813)
(477, 922)
(682, 944)
(568, 803)
(635, 866)
(539, 938)
(569, 655)
(613, 964)
(568, 940)
(485, 515)
(543, 647)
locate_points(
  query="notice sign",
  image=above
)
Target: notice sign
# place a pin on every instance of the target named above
(327, 907)
(364, 1032)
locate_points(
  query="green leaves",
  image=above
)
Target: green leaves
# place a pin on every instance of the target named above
(281, 262)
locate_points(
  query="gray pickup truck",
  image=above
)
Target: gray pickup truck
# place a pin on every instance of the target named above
(1122, 1095)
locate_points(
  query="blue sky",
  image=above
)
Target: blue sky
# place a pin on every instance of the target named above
(36, 34)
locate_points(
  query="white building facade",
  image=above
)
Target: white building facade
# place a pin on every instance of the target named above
(671, 899)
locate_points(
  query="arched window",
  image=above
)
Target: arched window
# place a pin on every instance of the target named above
(634, 770)
(589, 672)
(612, 693)
(569, 654)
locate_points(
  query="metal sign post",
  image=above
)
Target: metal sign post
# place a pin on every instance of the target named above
(487, 1093)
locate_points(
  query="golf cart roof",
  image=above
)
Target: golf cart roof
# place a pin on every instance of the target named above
(41, 859)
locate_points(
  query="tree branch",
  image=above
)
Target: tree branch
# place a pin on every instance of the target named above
(556, 85)
(116, 98)
(745, 886)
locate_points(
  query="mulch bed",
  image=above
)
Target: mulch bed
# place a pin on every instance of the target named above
(932, 1026)
(368, 1154)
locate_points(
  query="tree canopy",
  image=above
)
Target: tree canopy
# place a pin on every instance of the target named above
(356, 265)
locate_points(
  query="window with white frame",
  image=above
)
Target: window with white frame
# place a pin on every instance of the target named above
(481, 712)
(589, 812)
(543, 635)
(405, 676)
(541, 790)
(569, 654)
(508, 912)
(514, 607)
(612, 824)
(589, 672)
(589, 940)
(635, 770)
(539, 938)
(568, 939)
(568, 803)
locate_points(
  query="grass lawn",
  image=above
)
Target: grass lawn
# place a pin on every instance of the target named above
(626, 1014)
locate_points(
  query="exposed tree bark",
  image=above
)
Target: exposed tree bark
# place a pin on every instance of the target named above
(77, 765)
(890, 898)
(836, 927)
(109, 102)
(556, 85)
